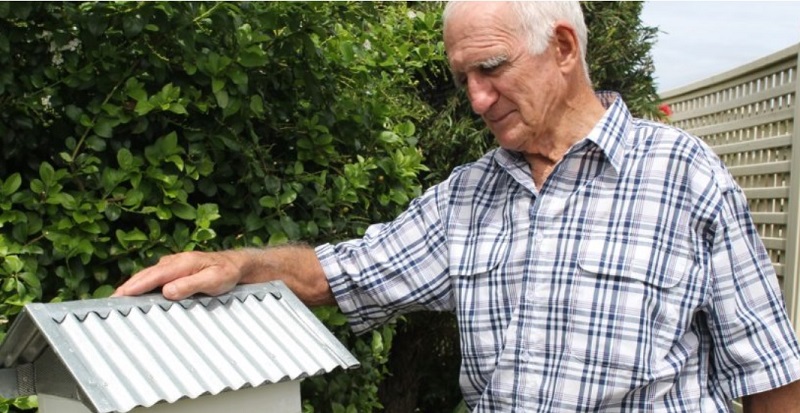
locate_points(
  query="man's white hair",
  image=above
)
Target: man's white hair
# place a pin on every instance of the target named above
(537, 21)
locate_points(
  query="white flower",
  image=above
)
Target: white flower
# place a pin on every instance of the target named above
(411, 14)
(72, 45)
(57, 59)
(367, 45)
(46, 102)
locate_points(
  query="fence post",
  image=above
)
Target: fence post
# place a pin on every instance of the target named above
(792, 271)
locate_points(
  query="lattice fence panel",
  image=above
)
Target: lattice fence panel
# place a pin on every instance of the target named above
(747, 116)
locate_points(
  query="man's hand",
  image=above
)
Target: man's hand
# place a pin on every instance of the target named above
(784, 399)
(188, 273)
(215, 273)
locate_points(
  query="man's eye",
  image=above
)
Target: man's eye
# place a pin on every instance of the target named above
(488, 69)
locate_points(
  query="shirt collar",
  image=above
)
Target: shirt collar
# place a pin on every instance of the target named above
(610, 133)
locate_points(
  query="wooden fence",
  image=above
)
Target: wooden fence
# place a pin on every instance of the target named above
(748, 116)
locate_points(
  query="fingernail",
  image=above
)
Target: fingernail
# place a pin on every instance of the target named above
(170, 291)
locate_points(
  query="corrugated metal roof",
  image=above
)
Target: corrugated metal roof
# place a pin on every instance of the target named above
(137, 351)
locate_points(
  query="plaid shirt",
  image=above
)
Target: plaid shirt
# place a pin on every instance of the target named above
(633, 280)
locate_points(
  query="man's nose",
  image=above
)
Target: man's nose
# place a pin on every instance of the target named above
(481, 93)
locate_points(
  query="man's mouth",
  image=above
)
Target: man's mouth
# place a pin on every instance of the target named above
(500, 118)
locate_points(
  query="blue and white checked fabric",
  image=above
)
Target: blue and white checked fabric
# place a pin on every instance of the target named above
(633, 280)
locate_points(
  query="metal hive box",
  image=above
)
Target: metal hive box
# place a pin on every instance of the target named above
(116, 354)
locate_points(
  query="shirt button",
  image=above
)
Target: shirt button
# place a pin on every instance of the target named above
(539, 238)
(538, 293)
(541, 292)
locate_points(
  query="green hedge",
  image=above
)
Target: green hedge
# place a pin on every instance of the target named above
(133, 130)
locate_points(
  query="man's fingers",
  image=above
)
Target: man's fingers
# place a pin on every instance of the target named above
(168, 269)
(210, 280)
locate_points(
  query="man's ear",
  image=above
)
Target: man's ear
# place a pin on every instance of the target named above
(567, 51)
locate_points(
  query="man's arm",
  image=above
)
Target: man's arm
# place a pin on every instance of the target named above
(784, 399)
(215, 273)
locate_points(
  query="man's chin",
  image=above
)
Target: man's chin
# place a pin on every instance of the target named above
(506, 141)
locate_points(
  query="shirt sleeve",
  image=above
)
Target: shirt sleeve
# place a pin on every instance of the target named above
(755, 346)
(395, 268)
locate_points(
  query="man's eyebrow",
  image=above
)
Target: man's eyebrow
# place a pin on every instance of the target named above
(490, 63)
(486, 64)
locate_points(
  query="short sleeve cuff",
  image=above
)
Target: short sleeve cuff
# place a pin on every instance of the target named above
(343, 288)
(768, 378)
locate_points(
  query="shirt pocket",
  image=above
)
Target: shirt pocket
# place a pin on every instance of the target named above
(626, 301)
(483, 308)
(477, 249)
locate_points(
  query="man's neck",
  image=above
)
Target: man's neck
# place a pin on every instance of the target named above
(579, 117)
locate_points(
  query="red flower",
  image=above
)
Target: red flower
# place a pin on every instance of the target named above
(665, 109)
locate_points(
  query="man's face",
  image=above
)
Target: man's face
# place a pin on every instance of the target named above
(510, 89)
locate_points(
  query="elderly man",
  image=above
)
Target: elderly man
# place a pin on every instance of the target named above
(596, 262)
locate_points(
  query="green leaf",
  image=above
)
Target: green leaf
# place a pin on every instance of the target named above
(9, 284)
(206, 213)
(405, 129)
(253, 56)
(217, 84)
(346, 52)
(222, 99)
(143, 107)
(103, 128)
(290, 227)
(277, 238)
(125, 158)
(377, 343)
(96, 143)
(97, 24)
(336, 319)
(12, 183)
(272, 184)
(132, 24)
(177, 161)
(178, 108)
(13, 264)
(133, 198)
(288, 197)
(31, 280)
(47, 173)
(253, 222)
(25, 403)
(257, 105)
(184, 211)
(389, 137)
(103, 291)
(238, 77)
(125, 238)
(312, 229)
(73, 112)
(136, 91)
(37, 186)
(203, 234)
(113, 213)
(268, 201)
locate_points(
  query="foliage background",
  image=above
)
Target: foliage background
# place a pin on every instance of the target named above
(135, 129)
